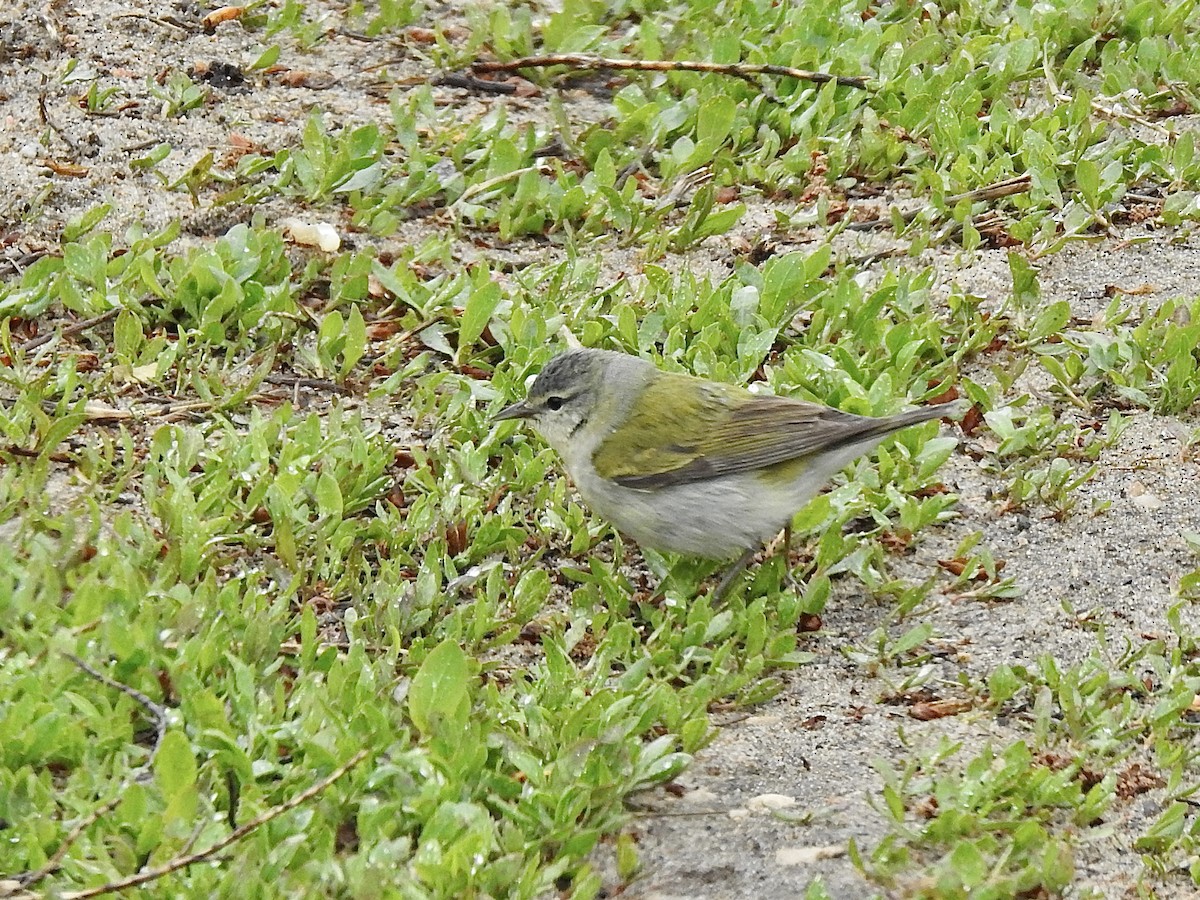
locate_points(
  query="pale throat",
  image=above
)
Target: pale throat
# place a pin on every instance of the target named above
(602, 421)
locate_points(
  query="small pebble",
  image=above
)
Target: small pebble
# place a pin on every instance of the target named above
(770, 802)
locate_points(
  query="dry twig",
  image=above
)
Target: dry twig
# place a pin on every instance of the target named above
(191, 859)
(746, 71)
(165, 21)
(471, 83)
(158, 715)
(156, 711)
(18, 265)
(983, 223)
(1109, 110)
(55, 861)
(17, 450)
(483, 187)
(70, 330)
(1019, 184)
(45, 116)
(312, 384)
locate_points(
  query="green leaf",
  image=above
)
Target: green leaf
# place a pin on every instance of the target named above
(439, 700)
(715, 121)
(127, 335)
(329, 495)
(604, 170)
(482, 302)
(85, 223)
(628, 862)
(911, 639)
(356, 341)
(175, 773)
(1087, 176)
(266, 59)
(58, 430)
(969, 865)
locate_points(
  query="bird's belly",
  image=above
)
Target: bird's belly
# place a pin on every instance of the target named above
(717, 518)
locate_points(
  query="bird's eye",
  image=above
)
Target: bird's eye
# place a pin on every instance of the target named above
(555, 402)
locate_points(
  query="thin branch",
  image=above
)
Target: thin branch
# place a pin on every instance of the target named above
(19, 264)
(54, 863)
(96, 412)
(156, 711)
(45, 116)
(166, 21)
(983, 222)
(402, 338)
(140, 145)
(471, 83)
(1017, 185)
(735, 70)
(680, 192)
(191, 859)
(1145, 198)
(484, 186)
(17, 450)
(406, 336)
(356, 36)
(70, 330)
(158, 714)
(1114, 111)
(314, 384)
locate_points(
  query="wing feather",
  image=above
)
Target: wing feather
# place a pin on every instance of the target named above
(687, 429)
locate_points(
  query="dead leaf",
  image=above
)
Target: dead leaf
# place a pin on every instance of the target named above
(524, 87)
(70, 170)
(137, 374)
(971, 421)
(1137, 780)
(378, 331)
(955, 566)
(456, 538)
(808, 622)
(98, 412)
(938, 709)
(1111, 290)
(225, 14)
(314, 81)
(421, 35)
(239, 146)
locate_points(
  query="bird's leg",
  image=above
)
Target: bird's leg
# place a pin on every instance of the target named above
(787, 557)
(744, 560)
(733, 572)
(659, 593)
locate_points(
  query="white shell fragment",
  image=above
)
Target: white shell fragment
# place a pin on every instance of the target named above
(312, 234)
(770, 802)
(803, 856)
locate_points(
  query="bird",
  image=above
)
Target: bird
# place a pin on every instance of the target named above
(691, 466)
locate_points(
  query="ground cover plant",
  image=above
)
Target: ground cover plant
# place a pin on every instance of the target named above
(283, 612)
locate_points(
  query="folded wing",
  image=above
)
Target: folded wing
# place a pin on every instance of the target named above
(688, 430)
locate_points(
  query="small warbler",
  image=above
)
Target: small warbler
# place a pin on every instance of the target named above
(692, 466)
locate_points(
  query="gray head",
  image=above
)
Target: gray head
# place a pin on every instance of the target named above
(562, 398)
(580, 396)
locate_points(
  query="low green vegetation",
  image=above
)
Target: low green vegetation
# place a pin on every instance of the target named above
(1099, 736)
(260, 495)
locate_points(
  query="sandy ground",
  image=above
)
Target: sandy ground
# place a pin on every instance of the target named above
(816, 741)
